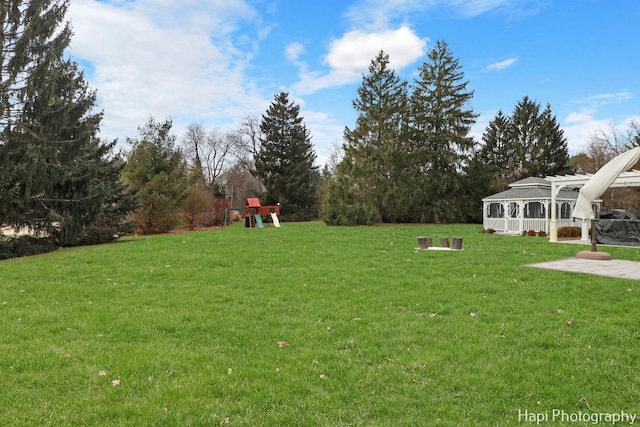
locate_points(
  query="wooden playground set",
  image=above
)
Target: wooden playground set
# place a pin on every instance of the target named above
(256, 215)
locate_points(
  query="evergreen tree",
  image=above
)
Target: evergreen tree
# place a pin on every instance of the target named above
(373, 173)
(33, 37)
(119, 200)
(528, 143)
(478, 182)
(285, 160)
(31, 40)
(552, 153)
(524, 133)
(56, 178)
(441, 120)
(498, 151)
(156, 169)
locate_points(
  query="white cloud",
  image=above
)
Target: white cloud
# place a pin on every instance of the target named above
(578, 135)
(605, 99)
(376, 15)
(293, 51)
(350, 56)
(355, 50)
(164, 59)
(326, 133)
(583, 116)
(502, 64)
(582, 124)
(380, 14)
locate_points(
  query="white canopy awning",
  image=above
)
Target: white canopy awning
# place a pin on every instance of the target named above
(613, 177)
(601, 180)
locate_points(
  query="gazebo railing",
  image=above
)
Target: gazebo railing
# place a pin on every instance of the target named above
(535, 224)
(513, 225)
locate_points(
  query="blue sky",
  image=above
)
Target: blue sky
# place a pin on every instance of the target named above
(217, 61)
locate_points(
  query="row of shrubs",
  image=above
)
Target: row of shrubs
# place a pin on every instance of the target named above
(563, 232)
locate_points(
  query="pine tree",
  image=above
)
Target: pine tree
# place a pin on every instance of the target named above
(528, 143)
(119, 201)
(552, 153)
(498, 151)
(285, 161)
(30, 41)
(33, 37)
(156, 169)
(373, 171)
(524, 126)
(57, 175)
(441, 120)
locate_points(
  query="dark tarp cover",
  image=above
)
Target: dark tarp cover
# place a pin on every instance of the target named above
(617, 214)
(625, 232)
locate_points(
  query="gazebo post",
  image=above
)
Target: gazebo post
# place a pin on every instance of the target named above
(553, 225)
(584, 233)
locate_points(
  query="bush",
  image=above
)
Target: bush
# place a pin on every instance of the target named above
(542, 233)
(196, 206)
(340, 207)
(156, 214)
(569, 232)
(299, 215)
(13, 247)
(531, 233)
(350, 215)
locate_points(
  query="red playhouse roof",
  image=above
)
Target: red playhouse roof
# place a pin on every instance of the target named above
(253, 202)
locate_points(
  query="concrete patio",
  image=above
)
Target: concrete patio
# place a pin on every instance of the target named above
(621, 269)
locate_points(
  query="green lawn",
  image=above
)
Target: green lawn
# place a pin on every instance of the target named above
(309, 325)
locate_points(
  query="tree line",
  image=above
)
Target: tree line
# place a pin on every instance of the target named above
(64, 186)
(409, 158)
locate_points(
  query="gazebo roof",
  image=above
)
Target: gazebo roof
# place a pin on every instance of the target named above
(531, 188)
(529, 193)
(541, 188)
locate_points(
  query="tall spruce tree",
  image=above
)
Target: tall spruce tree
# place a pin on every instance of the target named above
(31, 40)
(528, 143)
(441, 120)
(33, 37)
(524, 133)
(498, 151)
(54, 179)
(285, 161)
(374, 171)
(552, 152)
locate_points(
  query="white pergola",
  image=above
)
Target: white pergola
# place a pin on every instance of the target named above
(625, 179)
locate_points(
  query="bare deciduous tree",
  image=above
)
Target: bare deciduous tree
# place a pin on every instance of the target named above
(248, 137)
(208, 152)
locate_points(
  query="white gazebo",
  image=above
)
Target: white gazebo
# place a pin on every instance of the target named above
(526, 205)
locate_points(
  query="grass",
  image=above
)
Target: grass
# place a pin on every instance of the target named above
(310, 325)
